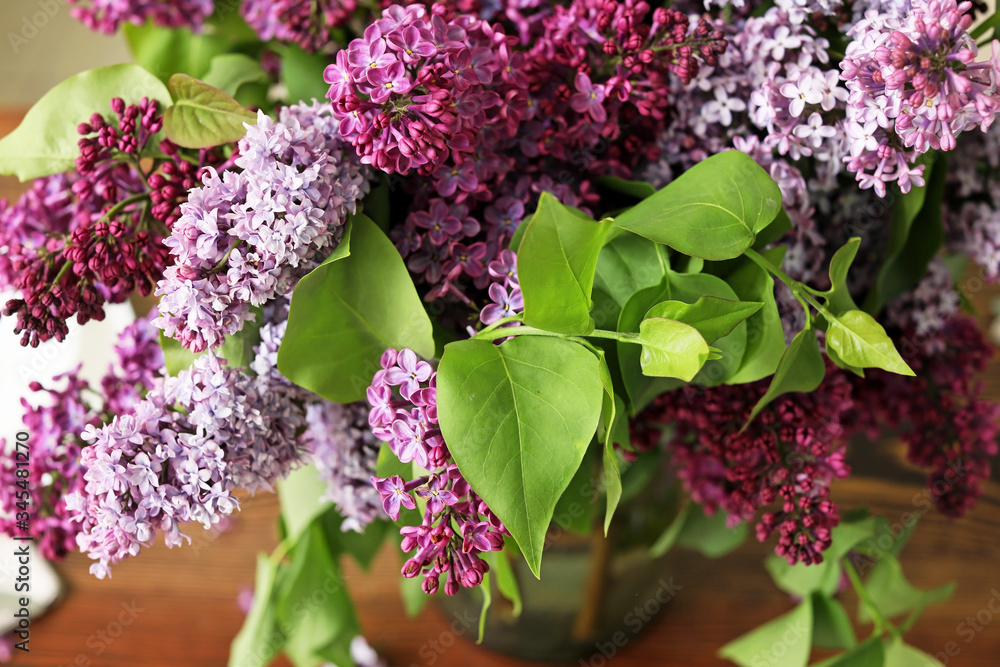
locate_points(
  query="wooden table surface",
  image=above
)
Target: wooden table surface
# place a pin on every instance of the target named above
(181, 606)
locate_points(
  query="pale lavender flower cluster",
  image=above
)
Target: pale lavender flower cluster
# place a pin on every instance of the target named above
(108, 15)
(247, 235)
(978, 227)
(54, 467)
(178, 456)
(927, 310)
(345, 452)
(457, 525)
(914, 86)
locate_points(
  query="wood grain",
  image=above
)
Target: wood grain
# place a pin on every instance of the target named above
(185, 610)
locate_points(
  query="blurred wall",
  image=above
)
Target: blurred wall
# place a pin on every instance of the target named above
(41, 44)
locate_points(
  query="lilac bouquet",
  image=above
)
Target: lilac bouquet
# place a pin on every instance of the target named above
(426, 269)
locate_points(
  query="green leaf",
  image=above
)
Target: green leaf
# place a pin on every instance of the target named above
(894, 595)
(668, 539)
(555, 268)
(627, 264)
(414, 598)
(640, 388)
(518, 418)
(347, 311)
(505, 579)
(377, 206)
(260, 638)
(316, 625)
(785, 641)
(765, 335)
(576, 508)
(671, 349)
(176, 357)
(713, 210)
(831, 624)
(868, 653)
(363, 547)
(838, 299)
(302, 73)
(300, 496)
(166, 51)
(711, 316)
(801, 369)
(203, 116)
(801, 580)
(773, 232)
(637, 189)
(615, 427)
(229, 71)
(859, 340)
(45, 142)
(900, 654)
(238, 348)
(710, 535)
(915, 235)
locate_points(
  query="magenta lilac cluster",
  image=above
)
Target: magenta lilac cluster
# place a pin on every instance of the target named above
(54, 426)
(787, 457)
(457, 526)
(108, 15)
(307, 24)
(915, 85)
(249, 233)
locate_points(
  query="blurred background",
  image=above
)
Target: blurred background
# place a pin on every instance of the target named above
(179, 607)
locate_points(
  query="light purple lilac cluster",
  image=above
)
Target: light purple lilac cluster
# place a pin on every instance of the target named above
(108, 15)
(179, 454)
(54, 427)
(248, 234)
(457, 526)
(915, 85)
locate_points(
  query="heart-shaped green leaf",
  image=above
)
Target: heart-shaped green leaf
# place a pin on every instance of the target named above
(203, 116)
(858, 340)
(671, 349)
(46, 140)
(801, 369)
(711, 316)
(518, 418)
(713, 210)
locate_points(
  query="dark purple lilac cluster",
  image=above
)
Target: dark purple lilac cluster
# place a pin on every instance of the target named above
(456, 525)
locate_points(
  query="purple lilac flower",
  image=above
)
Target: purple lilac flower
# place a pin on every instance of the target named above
(457, 525)
(108, 15)
(914, 86)
(308, 24)
(246, 236)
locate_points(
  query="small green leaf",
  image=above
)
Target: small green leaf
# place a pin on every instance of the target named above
(299, 496)
(801, 580)
(765, 335)
(801, 369)
(614, 422)
(518, 418)
(894, 595)
(711, 316)
(838, 299)
(831, 624)
(713, 210)
(710, 534)
(576, 507)
(671, 349)
(347, 311)
(868, 653)
(785, 641)
(203, 116)
(859, 340)
(506, 580)
(640, 388)
(229, 71)
(45, 142)
(176, 357)
(555, 267)
(900, 654)
(637, 189)
(238, 348)
(260, 638)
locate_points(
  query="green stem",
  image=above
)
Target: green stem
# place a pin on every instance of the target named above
(800, 291)
(487, 334)
(499, 323)
(877, 619)
(225, 260)
(128, 201)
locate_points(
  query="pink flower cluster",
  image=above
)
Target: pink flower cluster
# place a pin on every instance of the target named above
(457, 526)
